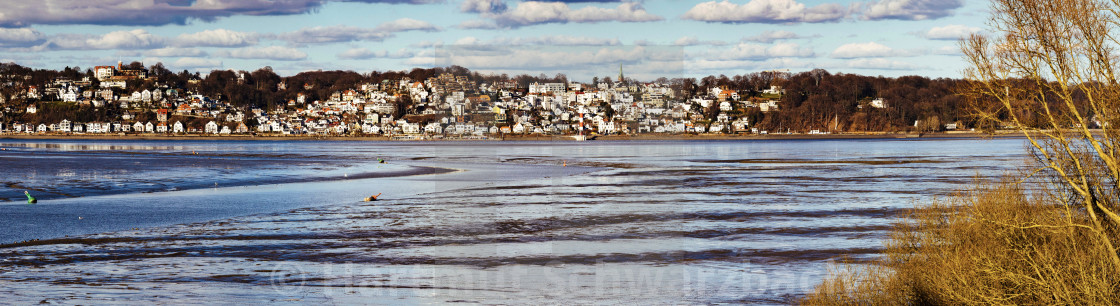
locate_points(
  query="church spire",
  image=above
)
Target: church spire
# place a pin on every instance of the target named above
(620, 78)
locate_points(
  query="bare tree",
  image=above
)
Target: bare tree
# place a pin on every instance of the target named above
(1051, 75)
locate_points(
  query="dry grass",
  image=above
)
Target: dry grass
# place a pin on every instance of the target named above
(998, 244)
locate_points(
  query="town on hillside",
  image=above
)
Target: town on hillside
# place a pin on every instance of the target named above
(454, 102)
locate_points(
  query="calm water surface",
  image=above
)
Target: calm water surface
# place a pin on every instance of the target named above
(671, 222)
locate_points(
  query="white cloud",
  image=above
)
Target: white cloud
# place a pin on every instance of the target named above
(406, 24)
(477, 24)
(157, 12)
(217, 38)
(547, 40)
(911, 9)
(948, 50)
(748, 51)
(766, 11)
(772, 36)
(950, 32)
(341, 33)
(271, 52)
(134, 39)
(536, 12)
(483, 6)
(194, 62)
(693, 41)
(364, 53)
(872, 49)
(20, 37)
(175, 52)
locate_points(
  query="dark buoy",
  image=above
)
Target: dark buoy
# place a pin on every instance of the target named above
(30, 199)
(380, 161)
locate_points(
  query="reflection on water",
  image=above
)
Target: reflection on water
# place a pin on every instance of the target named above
(654, 222)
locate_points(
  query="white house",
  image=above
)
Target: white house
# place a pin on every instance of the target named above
(177, 127)
(878, 103)
(211, 128)
(138, 127)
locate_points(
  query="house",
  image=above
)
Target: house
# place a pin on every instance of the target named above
(64, 126)
(725, 106)
(149, 127)
(774, 90)
(241, 128)
(161, 115)
(161, 127)
(433, 128)
(138, 127)
(211, 128)
(878, 103)
(177, 127)
(225, 130)
(103, 72)
(31, 109)
(94, 127)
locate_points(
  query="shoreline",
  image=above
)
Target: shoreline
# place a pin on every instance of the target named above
(638, 137)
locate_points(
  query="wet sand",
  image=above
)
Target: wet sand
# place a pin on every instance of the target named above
(511, 137)
(687, 222)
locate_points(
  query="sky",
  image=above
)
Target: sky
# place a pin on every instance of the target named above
(580, 38)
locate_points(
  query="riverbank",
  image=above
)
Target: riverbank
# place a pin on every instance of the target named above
(867, 135)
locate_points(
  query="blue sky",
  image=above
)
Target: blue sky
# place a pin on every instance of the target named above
(579, 38)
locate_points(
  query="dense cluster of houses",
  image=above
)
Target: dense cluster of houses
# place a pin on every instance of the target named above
(443, 106)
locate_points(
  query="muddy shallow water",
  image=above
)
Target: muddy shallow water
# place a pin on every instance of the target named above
(655, 222)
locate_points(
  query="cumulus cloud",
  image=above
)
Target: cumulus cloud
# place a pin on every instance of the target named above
(948, 50)
(159, 12)
(772, 36)
(483, 6)
(196, 63)
(477, 24)
(271, 52)
(364, 53)
(134, 39)
(766, 11)
(341, 33)
(217, 38)
(868, 49)
(537, 12)
(20, 37)
(748, 51)
(950, 32)
(693, 41)
(911, 9)
(406, 24)
(175, 52)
